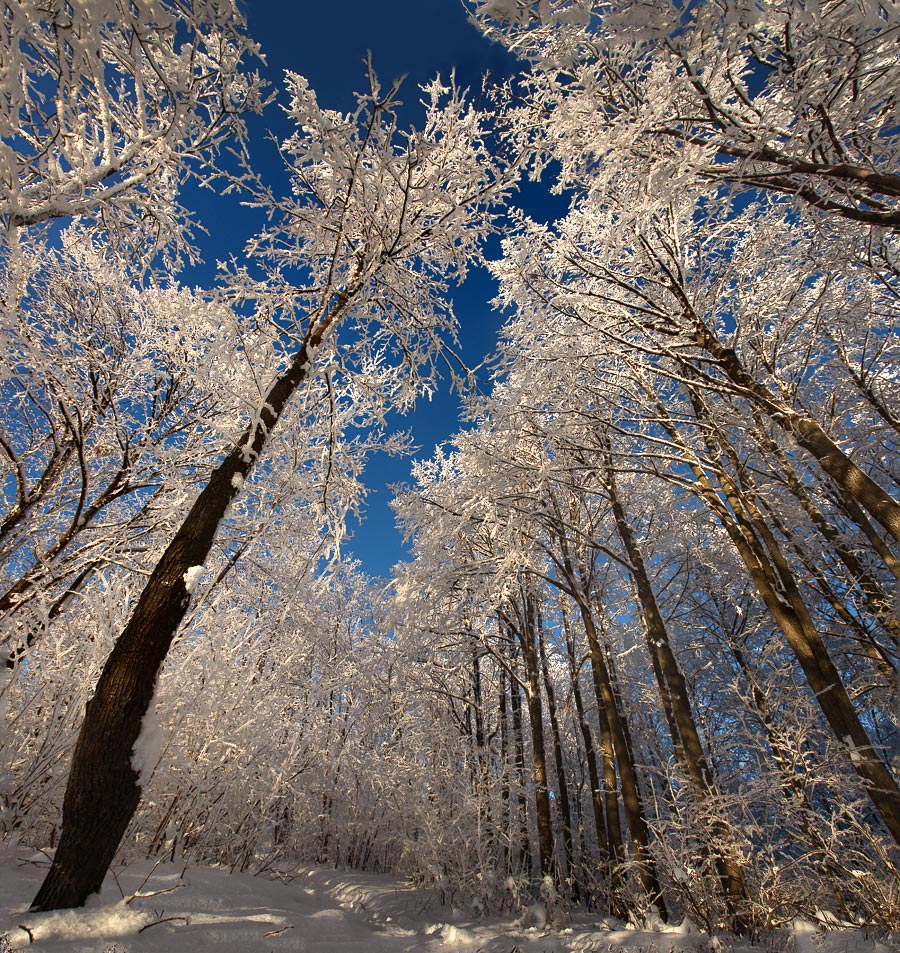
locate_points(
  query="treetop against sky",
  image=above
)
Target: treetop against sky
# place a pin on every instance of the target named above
(328, 44)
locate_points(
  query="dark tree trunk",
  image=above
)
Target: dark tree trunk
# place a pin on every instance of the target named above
(808, 433)
(779, 590)
(102, 792)
(632, 802)
(505, 822)
(590, 757)
(520, 836)
(526, 630)
(615, 749)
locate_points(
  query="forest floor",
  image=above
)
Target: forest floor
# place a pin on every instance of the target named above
(173, 909)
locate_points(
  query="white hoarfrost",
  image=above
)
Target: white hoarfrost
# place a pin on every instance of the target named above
(192, 577)
(148, 745)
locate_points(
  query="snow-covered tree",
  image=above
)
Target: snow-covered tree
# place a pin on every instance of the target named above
(114, 394)
(377, 223)
(107, 108)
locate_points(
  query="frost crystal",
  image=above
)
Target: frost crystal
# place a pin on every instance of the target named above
(237, 481)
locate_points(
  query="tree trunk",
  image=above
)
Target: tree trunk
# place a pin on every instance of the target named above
(589, 750)
(686, 737)
(522, 836)
(808, 433)
(505, 820)
(779, 591)
(565, 808)
(631, 796)
(102, 792)
(525, 629)
(872, 590)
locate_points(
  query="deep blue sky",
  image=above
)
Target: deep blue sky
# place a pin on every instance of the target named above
(327, 43)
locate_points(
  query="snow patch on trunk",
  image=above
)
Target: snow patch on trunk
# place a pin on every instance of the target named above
(192, 578)
(148, 745)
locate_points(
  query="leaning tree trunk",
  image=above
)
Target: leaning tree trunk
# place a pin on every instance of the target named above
(685, 736)
(780, 592)
(808, 433)
(103, 789)
(632, 802)
(615, 748)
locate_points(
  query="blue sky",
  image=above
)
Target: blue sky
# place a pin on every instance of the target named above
(327, 42)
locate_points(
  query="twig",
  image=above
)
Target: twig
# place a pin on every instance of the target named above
(154, 923)
(290, 926)
(30, 934)
(266, 866)
(39, 850)
(153, 893)
(138, 893)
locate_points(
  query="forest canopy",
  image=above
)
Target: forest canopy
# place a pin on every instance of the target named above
(643, 655)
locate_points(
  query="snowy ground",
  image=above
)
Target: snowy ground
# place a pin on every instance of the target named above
(321, 911)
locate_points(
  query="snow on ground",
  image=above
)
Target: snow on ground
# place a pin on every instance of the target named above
(199, 909)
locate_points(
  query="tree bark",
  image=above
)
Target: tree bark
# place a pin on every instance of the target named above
(771, 574)
(505, 821)
(808, 433)
(102, 792)
(686, 737)
(589, 749)
(562, 787)
(526, 630)
(520, 837)
(615, 750)
(632, 802)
